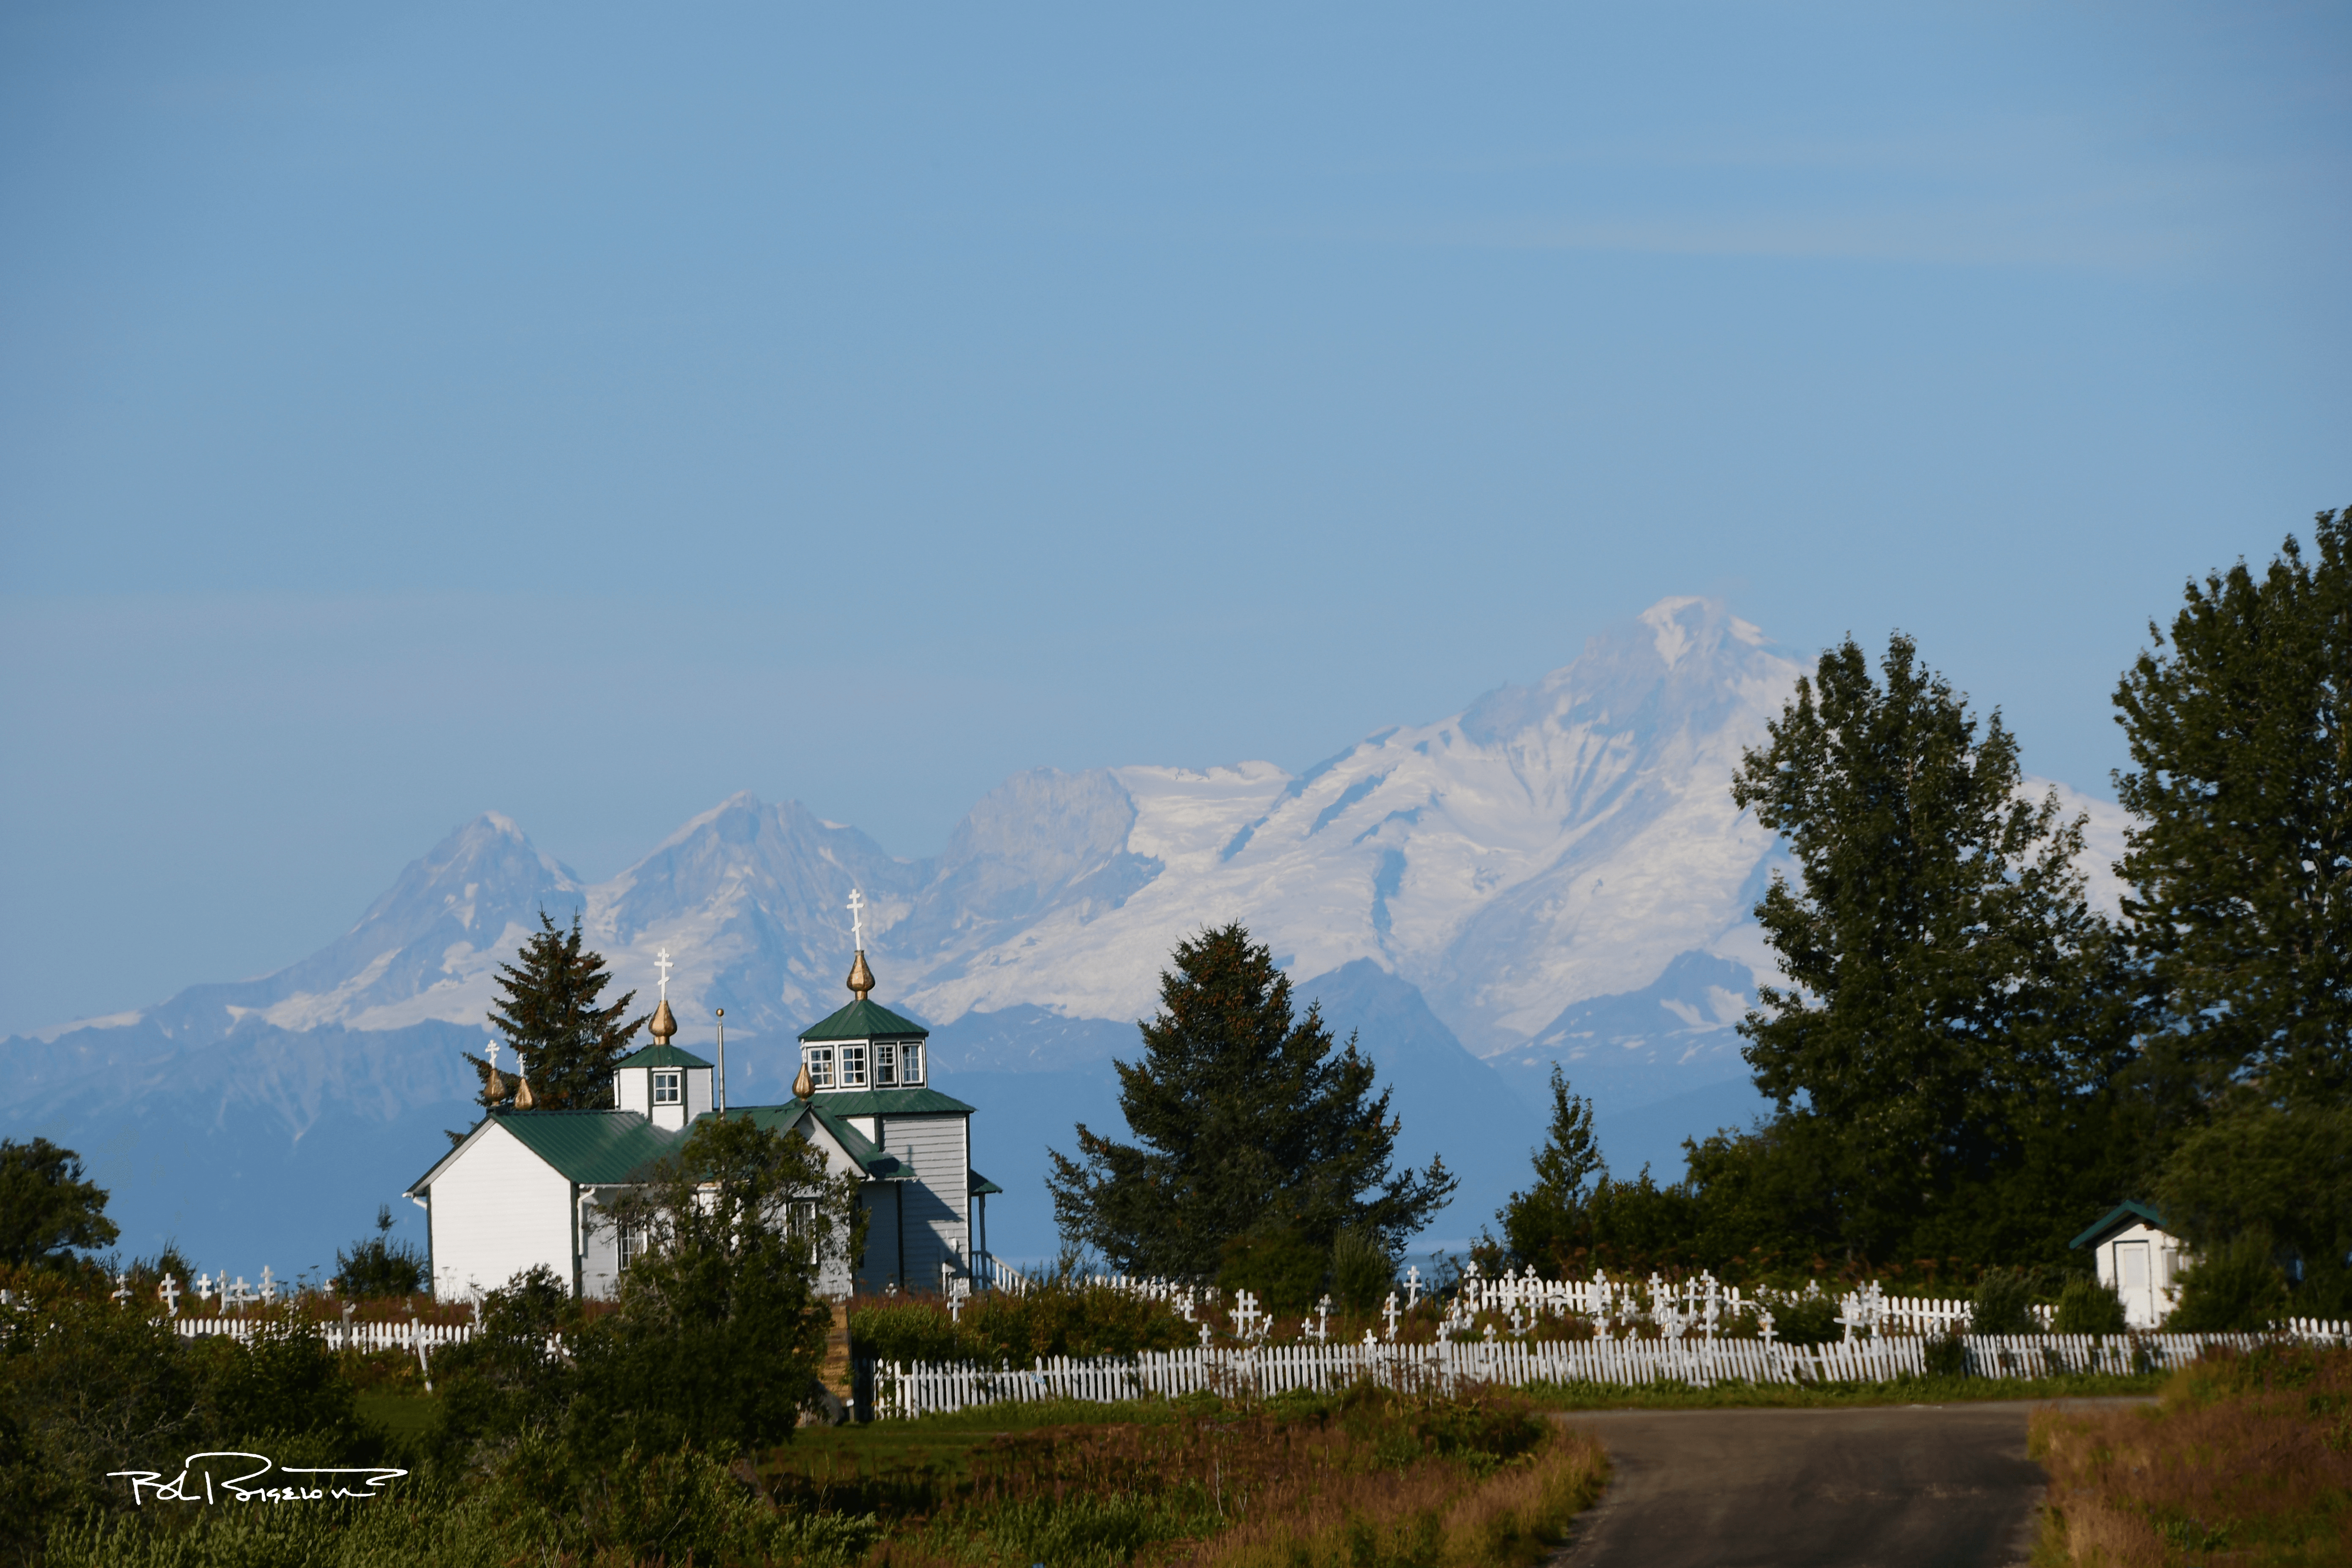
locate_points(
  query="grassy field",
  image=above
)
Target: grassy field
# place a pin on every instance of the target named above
(1367, 1478)
(2247, 1460)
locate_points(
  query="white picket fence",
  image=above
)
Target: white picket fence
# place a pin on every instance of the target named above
(900, 1390)
(340, 1336)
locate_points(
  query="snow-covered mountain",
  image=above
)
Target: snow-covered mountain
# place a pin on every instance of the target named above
(1557, 872)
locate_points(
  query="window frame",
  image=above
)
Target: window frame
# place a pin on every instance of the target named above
(885, 1064)
(852, 1064)
(673, 1080)
(818, 1059)
(910, 1053)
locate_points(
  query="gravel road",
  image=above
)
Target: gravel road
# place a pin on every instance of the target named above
(1884, 1487)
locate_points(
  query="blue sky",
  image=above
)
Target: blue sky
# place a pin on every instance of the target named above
(588, 411)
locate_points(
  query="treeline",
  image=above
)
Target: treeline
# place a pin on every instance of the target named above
(1970, 1062)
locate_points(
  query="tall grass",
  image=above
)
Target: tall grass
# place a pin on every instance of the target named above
(2247, 1459)
(1370, 1478)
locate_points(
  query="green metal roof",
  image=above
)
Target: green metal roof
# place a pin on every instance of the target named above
(595, 1148)
(661, 1056)
(2120, 1217)
(889, 1102)
(980, 1184)
(877, 1164)
(864, 1020)
(611, 1148)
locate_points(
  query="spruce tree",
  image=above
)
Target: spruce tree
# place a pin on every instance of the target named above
(548, 1011)
(1547, 1223)
(2240, 859)
(1249, 1123)
(1953, 1017)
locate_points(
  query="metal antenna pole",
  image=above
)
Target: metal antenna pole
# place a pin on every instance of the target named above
(722, 1013)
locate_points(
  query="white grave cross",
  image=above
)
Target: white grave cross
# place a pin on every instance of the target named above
(1389, 1312)
(1413, 1288)
(169, 1290)
(269, 1286)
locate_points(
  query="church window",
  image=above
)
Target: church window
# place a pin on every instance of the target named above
(886, 1065)
(665, 1088)
(852, 1067)
(818, 1059)
(630, 1247)
(911, 1063)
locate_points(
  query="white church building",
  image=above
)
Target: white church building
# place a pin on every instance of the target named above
(529, 1186)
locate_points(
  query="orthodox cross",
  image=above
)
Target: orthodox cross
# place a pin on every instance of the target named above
(269, 1286)
(857, 919)
(121, 1288)
(1389, 1312)
(1412, 1287)
(662, 962)
(169, 1291)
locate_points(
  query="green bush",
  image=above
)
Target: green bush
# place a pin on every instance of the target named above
(1946, 1356)
(1807, 1320)
(1362, 1272)
(1063, 1316)
(1282, 1266)
(2087, 1307)
(2003, 1304)
(2236, 1288)
(379, 1265)
(505, 1379)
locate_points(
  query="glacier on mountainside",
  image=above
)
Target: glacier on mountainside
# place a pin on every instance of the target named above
(1556, 872)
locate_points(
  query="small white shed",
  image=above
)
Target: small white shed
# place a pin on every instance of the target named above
(2133, 1252)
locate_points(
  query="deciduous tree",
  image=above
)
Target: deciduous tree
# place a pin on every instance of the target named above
(721, 1326)
(2240, 855)
(1952, 996)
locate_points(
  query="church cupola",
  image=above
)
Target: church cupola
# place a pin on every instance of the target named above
(669, 1086)
(865, 1047)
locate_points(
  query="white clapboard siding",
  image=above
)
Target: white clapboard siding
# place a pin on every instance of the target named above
(939, 1202)
(497, 1210)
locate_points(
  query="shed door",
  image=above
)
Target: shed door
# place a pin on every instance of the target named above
(2132, 1282)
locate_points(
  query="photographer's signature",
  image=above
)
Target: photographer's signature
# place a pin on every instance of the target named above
(198, 1483)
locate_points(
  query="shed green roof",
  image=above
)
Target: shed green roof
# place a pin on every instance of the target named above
(2122, 1217)
(980, 1184)
(864, 1020)
(660, 1056)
